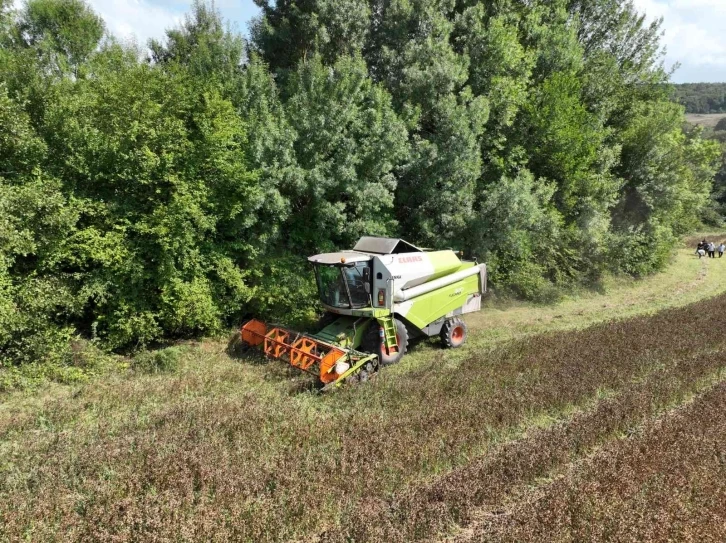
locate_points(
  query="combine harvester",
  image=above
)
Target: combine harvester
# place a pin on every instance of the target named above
(377, 296)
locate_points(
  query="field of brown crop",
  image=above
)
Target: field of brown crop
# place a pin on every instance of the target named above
(629, 371)
(612, 432)
(665, 483)
(708, 120)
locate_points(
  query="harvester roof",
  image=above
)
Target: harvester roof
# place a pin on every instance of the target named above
(366, 248)
(384, 246)
(338, 258)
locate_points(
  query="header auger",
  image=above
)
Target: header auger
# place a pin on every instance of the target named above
(377, 296)
(329, 363)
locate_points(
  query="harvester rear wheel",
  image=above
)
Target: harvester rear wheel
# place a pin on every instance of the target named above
(453, 333)
(372, 343)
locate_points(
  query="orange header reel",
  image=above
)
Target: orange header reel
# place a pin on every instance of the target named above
(303, 352)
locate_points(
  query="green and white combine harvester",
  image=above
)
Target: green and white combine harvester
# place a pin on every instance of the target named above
(377, 297)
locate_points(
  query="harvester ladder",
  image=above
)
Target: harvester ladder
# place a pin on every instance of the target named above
(389, 333)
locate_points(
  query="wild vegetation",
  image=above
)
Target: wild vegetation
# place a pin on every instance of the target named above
(713, 127)
(701, 97)
(167, 192)
(213, 448)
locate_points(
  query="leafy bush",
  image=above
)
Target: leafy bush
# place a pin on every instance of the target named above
(64, 360)
(161, 361)
(641, 253)
(527, 282)
(285, 291)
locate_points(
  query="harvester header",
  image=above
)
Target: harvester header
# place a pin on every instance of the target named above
(377, 296)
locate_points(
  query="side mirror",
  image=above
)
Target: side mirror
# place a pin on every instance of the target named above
(367, 280)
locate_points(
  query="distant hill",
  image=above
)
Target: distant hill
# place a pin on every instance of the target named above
(702, 97)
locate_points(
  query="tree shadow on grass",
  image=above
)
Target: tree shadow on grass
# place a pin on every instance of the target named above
(304, 385)
(239, 350)
(298, 381)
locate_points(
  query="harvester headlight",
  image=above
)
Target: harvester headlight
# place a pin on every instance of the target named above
(381, 297)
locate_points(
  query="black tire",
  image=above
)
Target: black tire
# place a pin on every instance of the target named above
(366, 372)
(454, 333)
(372, 343)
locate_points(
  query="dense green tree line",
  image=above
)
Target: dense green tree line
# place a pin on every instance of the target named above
(701, 97)
(714, 214)
(169, 191)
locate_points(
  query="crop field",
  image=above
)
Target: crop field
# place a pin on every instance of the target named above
(599, 418)
(708, 120)
(667, 482)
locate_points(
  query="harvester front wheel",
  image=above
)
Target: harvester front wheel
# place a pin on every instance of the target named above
(367, 372)
(374, 344)
(453, 333)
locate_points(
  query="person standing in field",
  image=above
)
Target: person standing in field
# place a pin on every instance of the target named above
(701, 249)
(721, 249)
(712, 250)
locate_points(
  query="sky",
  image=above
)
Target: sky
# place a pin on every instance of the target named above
(694, 30)
(144, 19)
(694, 36)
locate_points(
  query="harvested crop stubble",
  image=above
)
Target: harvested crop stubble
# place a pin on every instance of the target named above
(480, 487)
(255, 466)
(666, 484)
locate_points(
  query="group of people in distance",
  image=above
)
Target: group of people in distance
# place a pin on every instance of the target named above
(709, 248)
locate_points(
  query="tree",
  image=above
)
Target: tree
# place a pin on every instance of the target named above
(37, 295)
(293, 30)
(170, 196)
(411, 52)
(491, 90)
(64, 32)
(348, 144)
(202, 44)
(701, 97)
(169, 203)
(668, 178)
(616, 27)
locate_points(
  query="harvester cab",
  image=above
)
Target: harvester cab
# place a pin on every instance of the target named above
(377, 296)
